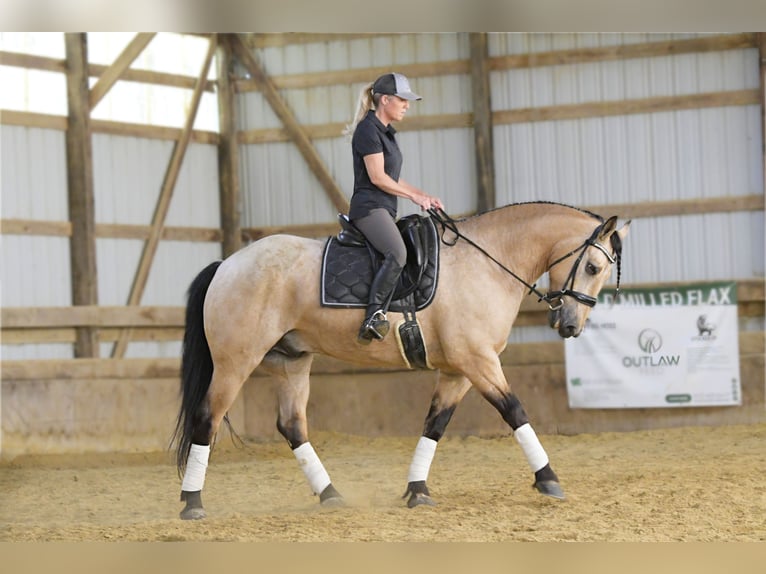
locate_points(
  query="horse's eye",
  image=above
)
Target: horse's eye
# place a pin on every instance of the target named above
(591, 269)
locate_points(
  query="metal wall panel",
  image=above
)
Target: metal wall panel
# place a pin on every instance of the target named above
(33, 184)
(662, 156)
(128, 176)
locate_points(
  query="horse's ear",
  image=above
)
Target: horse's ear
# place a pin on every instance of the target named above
(608, 227)
(623, 231)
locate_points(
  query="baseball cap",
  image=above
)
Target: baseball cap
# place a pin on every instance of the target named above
(394, 85)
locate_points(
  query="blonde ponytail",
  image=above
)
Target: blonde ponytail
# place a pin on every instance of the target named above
(365, 104)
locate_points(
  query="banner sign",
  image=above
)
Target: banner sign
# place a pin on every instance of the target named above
(662, 347)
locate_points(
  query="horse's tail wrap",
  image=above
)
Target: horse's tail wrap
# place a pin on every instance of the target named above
(196, 366)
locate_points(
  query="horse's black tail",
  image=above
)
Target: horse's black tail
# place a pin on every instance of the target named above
(196, 366)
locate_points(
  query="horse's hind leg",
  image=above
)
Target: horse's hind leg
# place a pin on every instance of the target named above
(450, 390)
(293, 394)
(223, 389)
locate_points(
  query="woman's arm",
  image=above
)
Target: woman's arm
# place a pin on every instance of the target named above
(376, 170)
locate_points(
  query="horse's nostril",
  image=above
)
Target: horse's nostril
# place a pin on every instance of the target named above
(567, 330)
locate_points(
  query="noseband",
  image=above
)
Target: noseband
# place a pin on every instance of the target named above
(568, 289)
(554, 299)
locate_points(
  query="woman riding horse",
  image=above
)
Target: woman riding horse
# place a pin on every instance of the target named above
(377, 163)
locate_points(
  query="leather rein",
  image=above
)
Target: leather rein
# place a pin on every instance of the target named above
(554, 299)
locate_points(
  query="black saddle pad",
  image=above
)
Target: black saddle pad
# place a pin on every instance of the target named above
(347, 272)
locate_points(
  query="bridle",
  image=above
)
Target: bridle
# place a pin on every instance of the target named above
(554, 299)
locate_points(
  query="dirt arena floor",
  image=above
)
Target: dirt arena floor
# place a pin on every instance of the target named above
(686, 484)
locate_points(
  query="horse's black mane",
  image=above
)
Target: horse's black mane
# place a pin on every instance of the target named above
(585, 211)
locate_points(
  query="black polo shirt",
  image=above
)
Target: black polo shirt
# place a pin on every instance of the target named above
(370, 137)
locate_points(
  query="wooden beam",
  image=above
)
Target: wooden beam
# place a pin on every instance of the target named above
(294, 129)
(33, 62)
(682, 207)
(49, 121)
(119, 66)
(105, 335)
(110, 230)
(261, 40)
(90, 315)
(79, 157)
(163, 202)
(627, 107)
(482, 122)
(228, 152)
(624, 52)
(358, 75)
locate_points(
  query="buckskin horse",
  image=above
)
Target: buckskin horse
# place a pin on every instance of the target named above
(261, 307)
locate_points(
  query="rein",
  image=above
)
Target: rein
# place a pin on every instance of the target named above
(448, 223)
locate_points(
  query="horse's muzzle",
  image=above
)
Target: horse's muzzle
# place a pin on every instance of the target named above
(566, 326)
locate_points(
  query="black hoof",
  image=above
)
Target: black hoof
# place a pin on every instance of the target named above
(331, 498)
(550, 488)
(420, 499)
(193, 509)
(195, 513)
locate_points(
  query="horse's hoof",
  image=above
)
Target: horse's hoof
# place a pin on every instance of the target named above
(195, 513)
(420, 499)
(550, 488)
(331, 498)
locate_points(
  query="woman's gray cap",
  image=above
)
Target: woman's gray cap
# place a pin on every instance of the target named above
(394, 85)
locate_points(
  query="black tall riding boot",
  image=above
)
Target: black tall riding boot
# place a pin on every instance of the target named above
(375, 325)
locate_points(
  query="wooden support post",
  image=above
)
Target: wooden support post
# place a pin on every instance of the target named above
(761, 38)
(482, 122)
(296, 132)
(163, 203)
(228, 152)
(79, 157)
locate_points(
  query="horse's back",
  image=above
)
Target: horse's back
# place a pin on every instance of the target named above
(277, 268)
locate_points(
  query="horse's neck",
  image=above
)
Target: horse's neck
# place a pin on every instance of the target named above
(527, 237)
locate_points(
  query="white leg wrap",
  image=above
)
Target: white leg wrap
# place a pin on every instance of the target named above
(196, 466)
(312, 467)
(421, 460)
(530, 444)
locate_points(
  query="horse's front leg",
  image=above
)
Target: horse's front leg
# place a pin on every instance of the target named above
(293, 395)
(450, 389)
(491, 383)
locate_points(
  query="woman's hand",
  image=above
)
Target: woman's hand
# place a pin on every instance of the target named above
(427, 202)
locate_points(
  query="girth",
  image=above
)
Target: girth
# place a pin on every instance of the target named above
(347, 271)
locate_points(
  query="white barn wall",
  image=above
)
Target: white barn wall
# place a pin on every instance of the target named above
(128, 176)
(33, 182)
(688, 154)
